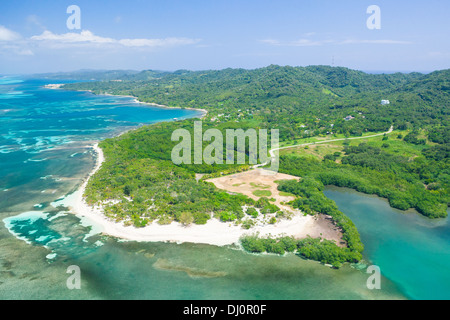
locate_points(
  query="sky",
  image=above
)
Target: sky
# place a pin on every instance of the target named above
(38, 36)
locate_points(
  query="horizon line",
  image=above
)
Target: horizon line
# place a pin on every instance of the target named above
(221, 69)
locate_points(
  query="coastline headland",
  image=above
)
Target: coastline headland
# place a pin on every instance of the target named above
(214, 232)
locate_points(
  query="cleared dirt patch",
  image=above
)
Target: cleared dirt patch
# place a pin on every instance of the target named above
(257, 179)
(260, 180)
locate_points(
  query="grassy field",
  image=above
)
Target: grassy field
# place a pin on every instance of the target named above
(321, 138)
(262, 193)
(259, 185)
(393, 144)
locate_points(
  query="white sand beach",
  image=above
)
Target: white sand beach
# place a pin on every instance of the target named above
(214, 232)
(53, 85)
(203, 111)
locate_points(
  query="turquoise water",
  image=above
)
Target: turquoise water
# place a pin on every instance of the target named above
(45, 139)
(411, 250)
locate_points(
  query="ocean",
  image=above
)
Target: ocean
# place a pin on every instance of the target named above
(45, 153)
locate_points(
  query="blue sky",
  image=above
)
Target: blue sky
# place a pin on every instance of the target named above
(217, 34)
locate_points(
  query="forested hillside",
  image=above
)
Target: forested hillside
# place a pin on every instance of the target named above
(300, 101)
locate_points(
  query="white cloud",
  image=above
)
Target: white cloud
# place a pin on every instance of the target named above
(295, 43)
(12, 42)
(305, 43)
(272, 42)
(84, 42)
(16, 50)
(158, 42)
(8, 35)
(72, 37)
(381, 41)
(309, 42)
(87, 37)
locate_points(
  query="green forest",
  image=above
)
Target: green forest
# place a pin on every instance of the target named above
(139, 183)
(299, 101)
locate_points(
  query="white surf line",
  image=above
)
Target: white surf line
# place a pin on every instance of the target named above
(272, 154)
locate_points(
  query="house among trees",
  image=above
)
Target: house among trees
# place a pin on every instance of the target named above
(384, 102)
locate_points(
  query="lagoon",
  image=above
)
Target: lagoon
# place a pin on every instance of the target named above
(410, 249)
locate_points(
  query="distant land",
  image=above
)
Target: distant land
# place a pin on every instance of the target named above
(101, 74)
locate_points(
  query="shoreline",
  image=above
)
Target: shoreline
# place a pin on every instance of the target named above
(136, 99)
(203, 111)
(214, 232)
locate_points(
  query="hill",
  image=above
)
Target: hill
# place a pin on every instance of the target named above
(300, 101)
